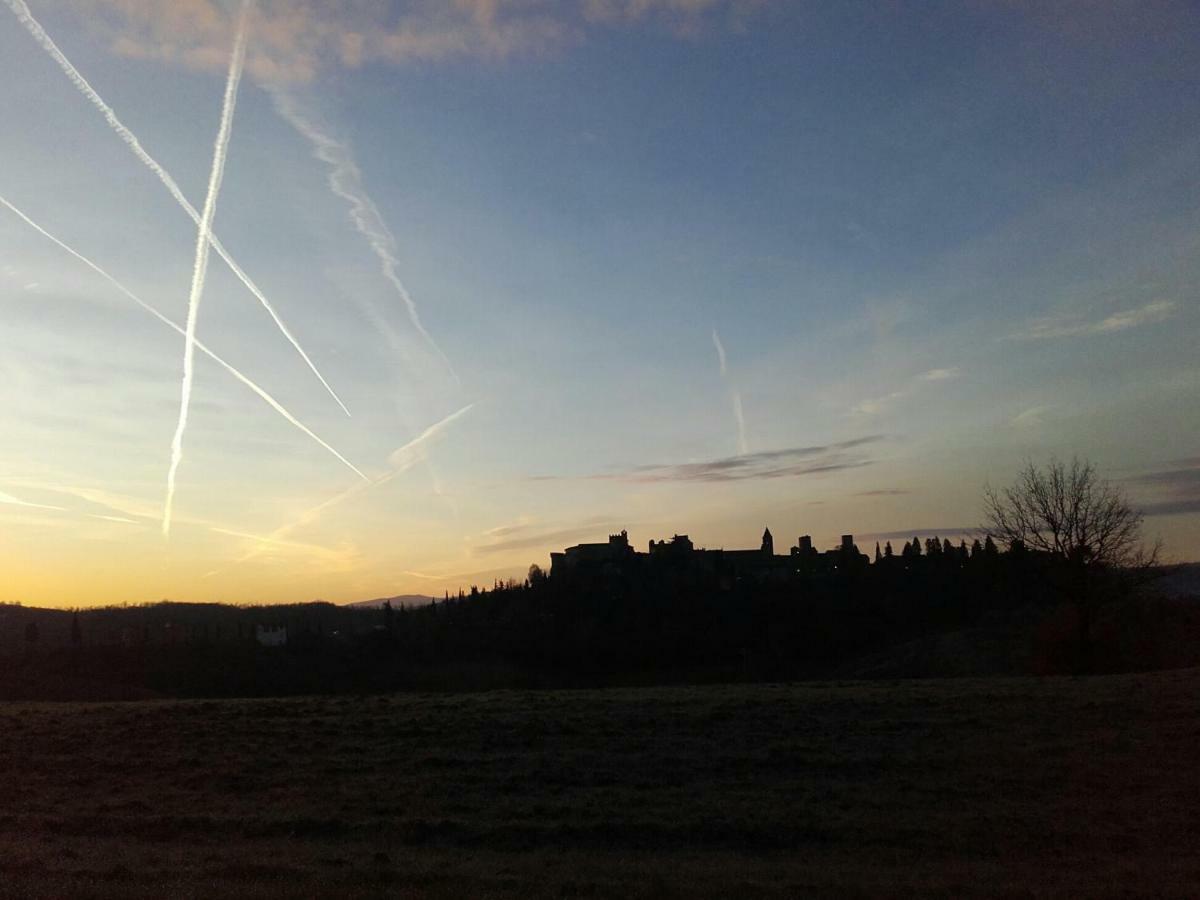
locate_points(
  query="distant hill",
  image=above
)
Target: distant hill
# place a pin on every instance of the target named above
(402, 600)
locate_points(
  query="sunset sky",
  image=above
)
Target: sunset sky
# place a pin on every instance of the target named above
(696, 266)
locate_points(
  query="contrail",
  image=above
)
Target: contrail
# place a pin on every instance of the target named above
(735, 395)
(403, 456)
(200, 270)
(345, 180)
(10, 500)
(21, 10)
(743, 446)
(271, 401)
(720, 352)
(401, 459)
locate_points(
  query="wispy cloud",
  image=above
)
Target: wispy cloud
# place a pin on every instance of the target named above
(10, 500)
(523, 538)
(874, 405)
(268, 541)
(501, 531)
(121, 519)
(1031, 417)
(939, 374)
(1175, 489)
(883, 492)
(402, 459)
(296, 41)
(411, 452)
(345, 180)
(1063, 327)
(789, 462)
(735, 396)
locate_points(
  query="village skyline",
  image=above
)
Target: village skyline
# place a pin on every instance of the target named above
(344, 300)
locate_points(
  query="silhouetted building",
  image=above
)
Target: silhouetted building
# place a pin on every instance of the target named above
(610, 558)
(728, 567)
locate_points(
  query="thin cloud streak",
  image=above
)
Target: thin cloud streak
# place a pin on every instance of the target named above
(1043, 329)
(307, 38)
(739, 415)
(270, 541)
(1180, 484)
(875, 405)
(939, 374)
(716, 339)
(21, 10)
(200, 269)
(544, 538)
(405, 455)
(10, 500)
(345, 180)
(402, 459)
(267, 398)
(789, 462)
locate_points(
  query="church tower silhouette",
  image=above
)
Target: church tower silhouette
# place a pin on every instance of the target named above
(768, 544)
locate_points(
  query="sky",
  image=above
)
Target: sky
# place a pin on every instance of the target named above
(529, 272)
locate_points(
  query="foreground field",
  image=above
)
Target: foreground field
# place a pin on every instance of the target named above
(1044, 787)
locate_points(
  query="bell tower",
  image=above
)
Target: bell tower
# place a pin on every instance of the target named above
(768, 543)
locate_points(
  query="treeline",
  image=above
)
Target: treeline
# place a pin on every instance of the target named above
(657, 623)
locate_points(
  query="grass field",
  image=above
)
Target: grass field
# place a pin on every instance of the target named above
(1049, 787)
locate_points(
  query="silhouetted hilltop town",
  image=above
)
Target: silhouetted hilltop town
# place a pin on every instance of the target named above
(607, 614)
(617, 557)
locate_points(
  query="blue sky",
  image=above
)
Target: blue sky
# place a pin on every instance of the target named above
(932, 241)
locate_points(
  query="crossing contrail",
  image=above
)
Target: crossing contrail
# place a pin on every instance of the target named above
(270, 401)
(200, 270)
(345, 180)
(21, 10)
(735, 395)
(401, 460)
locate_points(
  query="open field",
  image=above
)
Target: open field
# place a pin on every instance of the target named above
(1048, 787)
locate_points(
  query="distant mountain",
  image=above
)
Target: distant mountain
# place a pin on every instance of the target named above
(402, 600)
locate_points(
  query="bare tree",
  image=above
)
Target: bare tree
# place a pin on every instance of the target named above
(1087, 527)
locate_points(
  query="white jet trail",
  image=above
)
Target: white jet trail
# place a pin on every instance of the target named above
(720, 352)
(271, 401)
(735, 395)
(200, 270)
(10, 500)
(743, 446)
(21, 10)
(345, 180)
(401, 460)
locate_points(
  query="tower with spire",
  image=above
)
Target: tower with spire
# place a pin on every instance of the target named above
(768, 543)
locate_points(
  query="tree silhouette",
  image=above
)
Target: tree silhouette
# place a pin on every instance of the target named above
(1086, 528)
(537, 577)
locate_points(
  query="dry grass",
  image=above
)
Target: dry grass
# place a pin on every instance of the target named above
(1049, 787)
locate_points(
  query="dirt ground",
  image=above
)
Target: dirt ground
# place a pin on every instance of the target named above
(1051, 787)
